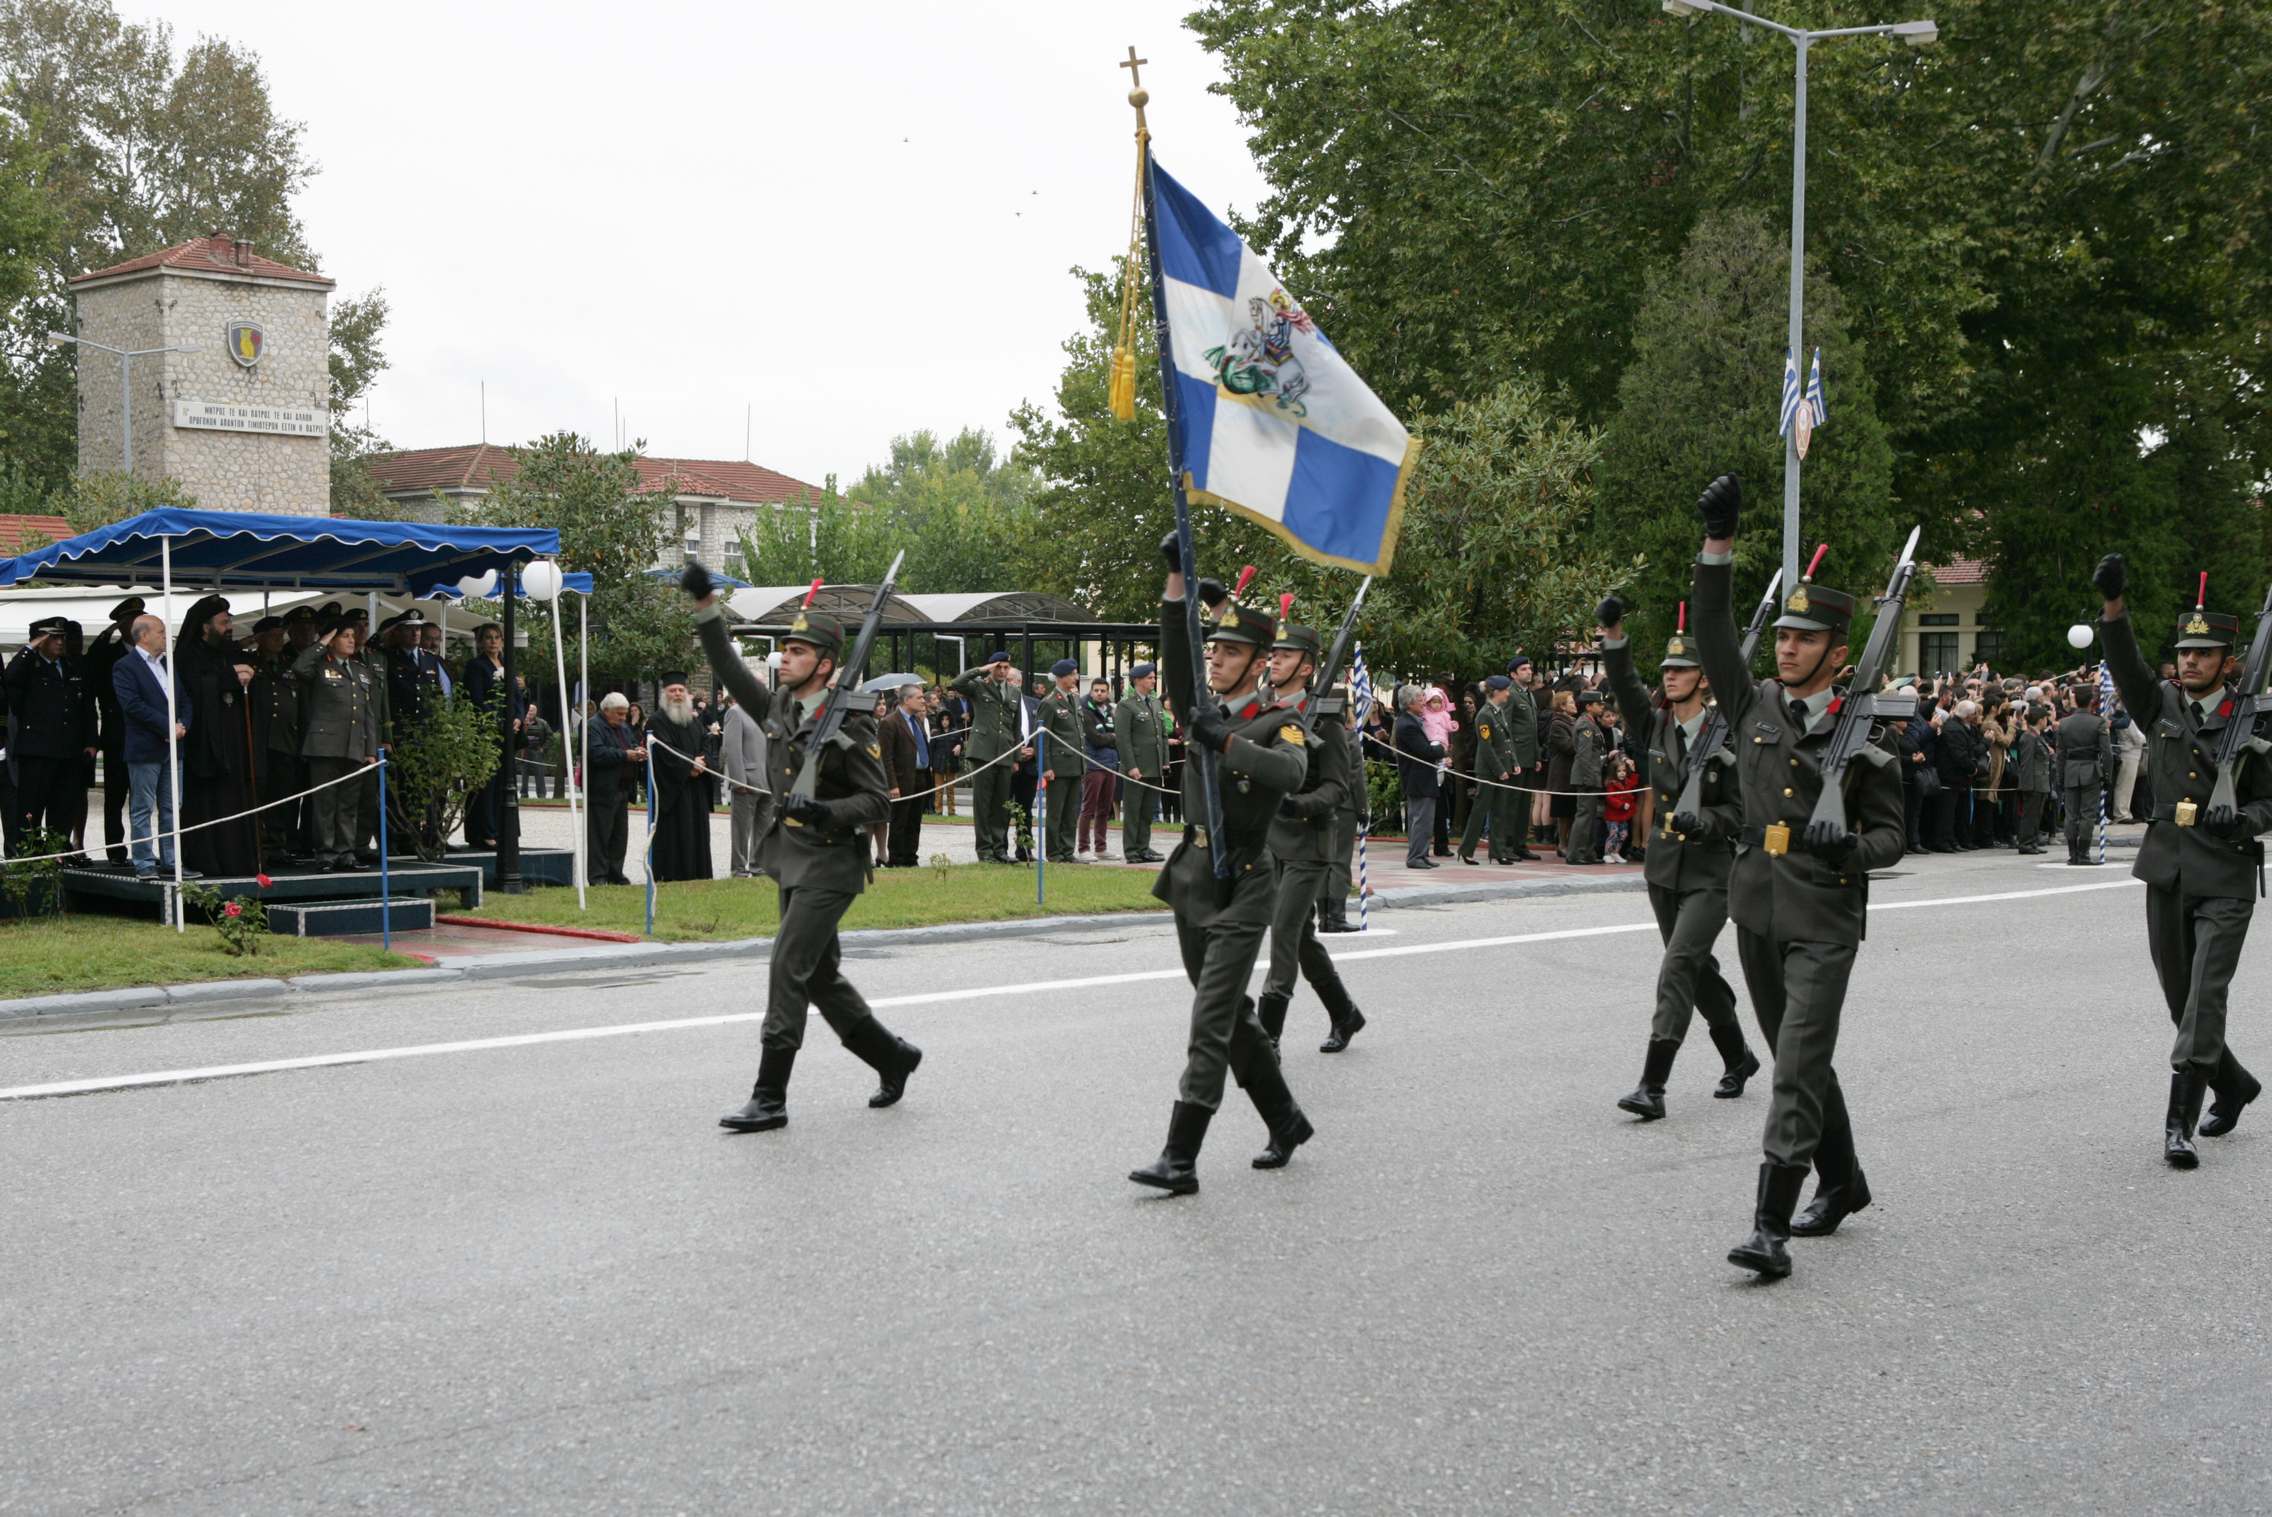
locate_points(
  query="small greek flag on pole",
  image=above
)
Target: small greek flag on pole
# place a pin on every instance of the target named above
(1810, 410)
(1361, 702)
(1791, 397)
(1271, 422)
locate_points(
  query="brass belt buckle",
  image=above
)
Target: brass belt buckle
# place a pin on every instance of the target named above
(1775, 840)
(2187, 811)
(1199, 836)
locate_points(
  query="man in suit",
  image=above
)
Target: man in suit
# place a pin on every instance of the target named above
(1140, 734)
(51, 734)
(995, 726)
(483, 682)
(907, 756)
(2083, 749)
(2201, 859)
(138, 688)
(617, 770)
(741, 752)
(2031, 777)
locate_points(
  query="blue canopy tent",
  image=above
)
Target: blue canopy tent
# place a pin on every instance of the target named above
(253, 551)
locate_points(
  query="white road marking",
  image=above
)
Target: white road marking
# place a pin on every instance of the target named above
(924, 998)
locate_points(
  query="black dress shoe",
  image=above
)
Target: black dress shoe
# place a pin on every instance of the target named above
(768, 1105)
(1765, 1252)
(2235, 1087)
(1344, 1029)
(1467, 858)
(1832, 1204)
(2185, 1092)
(1176, 1170)
(1738, 1062)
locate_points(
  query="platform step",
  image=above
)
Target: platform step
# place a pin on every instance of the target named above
(333, 919)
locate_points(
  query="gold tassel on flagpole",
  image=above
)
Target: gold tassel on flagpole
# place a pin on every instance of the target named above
(1120, 390)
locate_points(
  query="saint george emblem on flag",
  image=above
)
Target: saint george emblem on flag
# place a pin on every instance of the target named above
(1271, 422)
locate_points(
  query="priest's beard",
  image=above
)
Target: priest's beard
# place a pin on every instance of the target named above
(680, 711)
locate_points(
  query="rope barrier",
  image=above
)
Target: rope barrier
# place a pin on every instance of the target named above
(946, 784)
(179, 832)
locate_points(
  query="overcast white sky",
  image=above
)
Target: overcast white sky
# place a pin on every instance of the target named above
(856, 217)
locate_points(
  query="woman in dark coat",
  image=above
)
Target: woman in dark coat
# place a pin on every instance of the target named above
(216, 757)
(1561, 748)
(949, 718)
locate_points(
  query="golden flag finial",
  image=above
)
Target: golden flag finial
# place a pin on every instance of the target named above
(1120, 381)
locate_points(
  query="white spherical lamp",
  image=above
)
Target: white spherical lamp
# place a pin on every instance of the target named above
(541, 580)
(2079, 636)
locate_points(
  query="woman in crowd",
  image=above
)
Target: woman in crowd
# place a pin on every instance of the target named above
(1437, 721)
(1561, 748)
(949, 718)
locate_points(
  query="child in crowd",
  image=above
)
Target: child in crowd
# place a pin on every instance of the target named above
(1621, 799)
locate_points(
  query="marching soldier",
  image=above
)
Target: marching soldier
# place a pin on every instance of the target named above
(995, 729)
(1686, 871)
(1333, 891)
(816, 849)
(1142, 739)
(1301, 844)
(338, 708)
(1800, 909)
(1495, 762)
(1220, 921)
(2201, 862)
(1062, 765)
(2083, 749)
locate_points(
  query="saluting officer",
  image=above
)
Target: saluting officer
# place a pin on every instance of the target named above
(2201, 863)
(339, 734)
(1141, 738)
(1061, 767)
(51, 734)
(816, 849)
(995, 729)
(1301, 846)
(275, 735)
(1686, 871)
(1800, 913)
(1220, 921)
(1495, 802)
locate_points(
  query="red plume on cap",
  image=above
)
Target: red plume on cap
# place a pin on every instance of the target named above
(1682, 624)
(1285, 605)
(1817, 563)
(1246, 577)
(809, 594)
(2201, 597)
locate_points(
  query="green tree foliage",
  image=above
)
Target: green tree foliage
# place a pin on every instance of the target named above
(2060, 212)
(97, 499)
(448, 754)
(608, 530)
(1707, 343)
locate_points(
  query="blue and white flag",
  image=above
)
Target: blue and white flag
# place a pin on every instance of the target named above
(1360, 685)
(1802, 414)
(1270, 420)
(1790, 410)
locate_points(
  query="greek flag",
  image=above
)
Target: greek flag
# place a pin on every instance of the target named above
(1270, 420)
(1790, 395)
(1814, 390)
(1360, 684)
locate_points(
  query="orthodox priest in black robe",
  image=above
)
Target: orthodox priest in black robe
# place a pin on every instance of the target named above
(682, 785)
(216, 757)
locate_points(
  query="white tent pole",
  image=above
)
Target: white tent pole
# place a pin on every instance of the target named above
(583, 731)
(173, 752)
(560, 669)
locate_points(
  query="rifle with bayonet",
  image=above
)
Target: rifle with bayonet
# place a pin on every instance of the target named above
(1862, 707)
(2237, 738)
(1322, 701)
(1712, 735)
(837, 705)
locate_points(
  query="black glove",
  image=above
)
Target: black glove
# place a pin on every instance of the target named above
(1688, 824)
(809, 810)
(2226, 823)
(2112, 576)
(1718, 506)
(1212, 594)
(696, 581)
(1610, 612)
(1833, 844)
(1171, 549)
(1210, 729)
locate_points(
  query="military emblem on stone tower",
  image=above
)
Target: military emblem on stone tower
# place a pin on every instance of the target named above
(245, 342)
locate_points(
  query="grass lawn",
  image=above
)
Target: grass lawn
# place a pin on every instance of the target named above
(105, 953)
(715, 910)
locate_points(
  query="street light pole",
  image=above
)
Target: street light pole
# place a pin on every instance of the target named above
(1916, 34)
(126, 359)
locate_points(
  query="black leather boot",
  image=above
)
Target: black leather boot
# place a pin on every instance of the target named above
(1738, 1061)
(1270, 1011)
(2185, 1092)
(1336, 918)
(1348, 1021)
(1764, 1252)
(2235, 1087)
(1265, 1084)
(1176, 1170)
(768, 1104)
(893, 1059)
(1648, 1098)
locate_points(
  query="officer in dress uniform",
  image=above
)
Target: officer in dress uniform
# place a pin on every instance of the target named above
(2084, 744)
(996, 705)
(1800, 912)
(2202, 863)
(275, 735)
(816, 849)
(102, 658)
(1141, 737)
(1301, 847)
(1063, 767)
(1495, 761)
(51, 734)
(1220, 921)
(1333, 890)
(1686, 871)
(339, 733)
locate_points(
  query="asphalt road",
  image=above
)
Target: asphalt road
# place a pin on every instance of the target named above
(536, 1278)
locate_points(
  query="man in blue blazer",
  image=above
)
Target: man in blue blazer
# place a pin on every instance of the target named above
(139, 680)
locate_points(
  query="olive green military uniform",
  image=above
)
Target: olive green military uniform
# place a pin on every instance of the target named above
(339, 733)
(1063, 758)
(2202, 879)
(374, 661)
(818, 858)
(1799, 915)
(1522, 728)
(279, 770)
(994, 731)
(1687, 875)
(1142, 740)
(1591, 743)
(1220, 922)
(1301, 845)
(1506, 810)
(1333, 891)
(2084, 746)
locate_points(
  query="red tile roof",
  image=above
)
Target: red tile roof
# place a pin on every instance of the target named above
(209, 255)
(14, 529)
(476, 466)
(1960, 571)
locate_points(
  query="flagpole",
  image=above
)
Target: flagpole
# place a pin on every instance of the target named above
(1185, 553)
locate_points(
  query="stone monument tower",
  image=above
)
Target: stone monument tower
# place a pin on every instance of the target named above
(238, 405)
